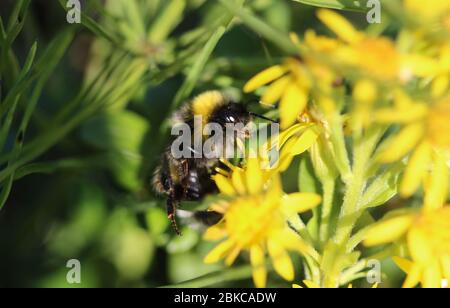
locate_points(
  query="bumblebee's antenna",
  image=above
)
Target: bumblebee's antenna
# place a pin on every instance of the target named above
(255, 100)
(262, 117)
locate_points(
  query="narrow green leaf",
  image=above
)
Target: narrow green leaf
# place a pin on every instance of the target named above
(167, 21)
(93, 26)
(197, 68)
(347, 5)
(6, 190)
(259, 26)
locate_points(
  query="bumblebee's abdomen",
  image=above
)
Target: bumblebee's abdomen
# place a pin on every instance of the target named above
(184, 180)
(198, 184)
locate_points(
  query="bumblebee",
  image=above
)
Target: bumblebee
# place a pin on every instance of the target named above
(190, 179)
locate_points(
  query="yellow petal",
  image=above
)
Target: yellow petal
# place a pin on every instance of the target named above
(437, 190)
(291, 241)
(237, 178)
(446, 266)
(296, 286)
(365, 91)
(259, 270)
(281, 261)
(400, 145)
(419, 247)
(416, 169)
(339, 25)
(301, 202)
(440, 85)
(287, 134)
(404, 264)
(292, 105)
(413, 278)
(432, 277)
(275, 91)
(234, 253)
(264, 77)
(389, 230)
(224, 185)
(305, 141)
(219, 252)
(254, 176)
(285, 156)
(215, 233)
(311, 285)
(420, 65)
(410, 114)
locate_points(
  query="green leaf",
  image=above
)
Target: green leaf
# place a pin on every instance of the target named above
(259, 26)
(383, 188)
(93, 26)
(167, 20)
(197, 68)
(347, 5)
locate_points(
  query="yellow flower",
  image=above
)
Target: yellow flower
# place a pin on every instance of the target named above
(428, 239)
(433, 10)
(292, 142)
(290, 85)
(375, 56)
(424, 134)
(255, 220)
(309, 284)
(434, 65)
(312, 285)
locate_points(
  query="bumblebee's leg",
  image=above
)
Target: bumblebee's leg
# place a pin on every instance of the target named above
(208, 218)
(171, 211)
(183, 168)
(171, 204)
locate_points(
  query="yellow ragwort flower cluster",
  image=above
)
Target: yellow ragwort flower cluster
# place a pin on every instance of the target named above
(367, 110)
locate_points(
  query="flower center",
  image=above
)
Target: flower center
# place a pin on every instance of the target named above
(379, 56)
(250, 220)
(439, 126)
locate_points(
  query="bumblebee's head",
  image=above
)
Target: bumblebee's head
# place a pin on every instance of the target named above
(231, 113)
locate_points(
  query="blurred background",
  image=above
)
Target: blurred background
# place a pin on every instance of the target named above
(84, 126)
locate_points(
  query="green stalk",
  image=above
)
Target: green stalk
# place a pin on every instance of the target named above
(327, 207)
(363, 149)
(340, 150)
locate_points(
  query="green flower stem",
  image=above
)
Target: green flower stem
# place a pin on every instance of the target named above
(363, 149)
(327, 207)
(340, 150)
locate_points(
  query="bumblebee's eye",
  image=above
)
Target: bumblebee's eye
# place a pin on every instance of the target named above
(230, 119)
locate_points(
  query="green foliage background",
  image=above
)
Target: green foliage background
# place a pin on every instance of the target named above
(83, 122)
